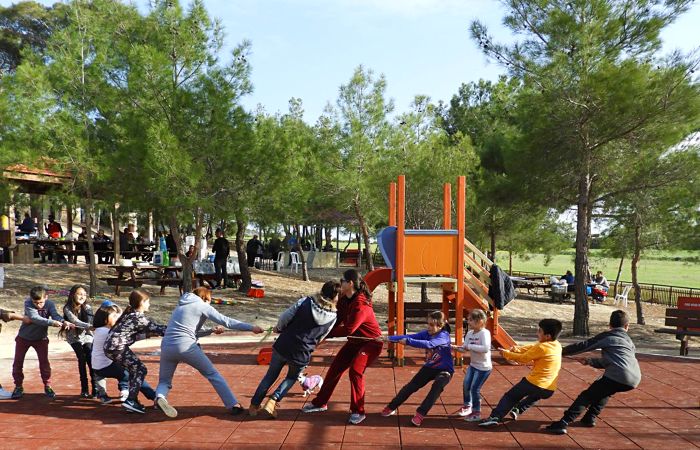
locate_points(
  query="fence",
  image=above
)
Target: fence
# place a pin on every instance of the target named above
(653, 293)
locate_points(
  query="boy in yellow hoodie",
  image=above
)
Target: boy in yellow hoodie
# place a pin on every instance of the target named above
(541, 382)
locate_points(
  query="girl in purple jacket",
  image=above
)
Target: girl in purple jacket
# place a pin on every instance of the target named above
(438, 366)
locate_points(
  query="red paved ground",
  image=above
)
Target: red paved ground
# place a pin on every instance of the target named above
(662, 413)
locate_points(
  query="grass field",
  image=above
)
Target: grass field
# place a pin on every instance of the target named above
(675, 269)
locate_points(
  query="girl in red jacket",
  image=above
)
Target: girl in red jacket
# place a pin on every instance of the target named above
(355, 319)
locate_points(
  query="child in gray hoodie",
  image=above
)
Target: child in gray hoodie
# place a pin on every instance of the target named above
(621, 374)
(180, 345)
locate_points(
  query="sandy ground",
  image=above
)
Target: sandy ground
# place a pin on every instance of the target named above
(281, 289)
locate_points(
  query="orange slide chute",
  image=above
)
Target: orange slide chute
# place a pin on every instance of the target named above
(377, 277)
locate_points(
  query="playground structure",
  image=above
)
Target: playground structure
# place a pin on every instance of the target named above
(443, 257)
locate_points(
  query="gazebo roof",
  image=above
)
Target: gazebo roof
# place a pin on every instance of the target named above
(33, 180)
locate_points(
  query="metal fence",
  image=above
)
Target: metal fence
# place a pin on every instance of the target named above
(653, 293)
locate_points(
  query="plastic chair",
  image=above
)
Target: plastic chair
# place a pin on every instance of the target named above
(622, 298)
(279, 263)
(296, 263)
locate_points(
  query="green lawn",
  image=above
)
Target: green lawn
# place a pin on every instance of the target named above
(675, 269)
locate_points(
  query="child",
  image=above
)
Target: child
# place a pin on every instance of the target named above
(478, 343)
(78, 312)
(180, 345)
(301, 328)
(105, 318)
(621, 374)
(438, 366)
(124, 333)
(6, 316)
(42, 314)
(541, 382)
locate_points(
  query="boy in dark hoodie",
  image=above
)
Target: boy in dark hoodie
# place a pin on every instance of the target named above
(621, 374)
(302, 326)
(438, 366)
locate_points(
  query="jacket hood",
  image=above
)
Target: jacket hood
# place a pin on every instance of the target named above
(188, 299)
(322, 310)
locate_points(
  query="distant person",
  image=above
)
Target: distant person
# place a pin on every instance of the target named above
(569, 278)
(125, 241)
(170, 243)
(601, 280)
(274, 246)
(190, 252)
(102, 246)
(221, 251)
(253, 249)
(27, 226)
(53, 228)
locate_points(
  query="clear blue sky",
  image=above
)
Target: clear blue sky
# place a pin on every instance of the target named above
(308, 48)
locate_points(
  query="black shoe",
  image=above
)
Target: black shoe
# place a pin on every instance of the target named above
(49, 392)
(134, 406)
(237, 410)
(18, 392)
(85, 394)
(94, 393)
(588, 421)
(557, 427)
(514, 413)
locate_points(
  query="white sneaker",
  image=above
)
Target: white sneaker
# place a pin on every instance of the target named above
(123, 395)
(357, 418)
(311, 408)
(464, 411)
(4, 395)
(164, 406)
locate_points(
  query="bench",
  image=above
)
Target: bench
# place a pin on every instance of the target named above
(686, 323)
(170, 281)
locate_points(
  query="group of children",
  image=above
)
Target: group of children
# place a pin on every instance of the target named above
(102, 340)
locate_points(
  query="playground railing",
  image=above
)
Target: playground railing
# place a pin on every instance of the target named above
(661, 294)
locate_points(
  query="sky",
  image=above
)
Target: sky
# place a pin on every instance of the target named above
(309, 48)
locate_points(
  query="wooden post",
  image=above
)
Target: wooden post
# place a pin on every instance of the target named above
(447, 206)
(459, 301)
(400, 264)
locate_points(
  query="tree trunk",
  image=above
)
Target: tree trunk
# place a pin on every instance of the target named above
(359, 250)
(583, 218)
(92, 267)
(115, 235)
(510, 262)
(319, 237)
(329, 238)
(246, 281)
(424, 293)
(493, 245)
(302, 259)
(365, 235)
(619, 272)
(635, 262)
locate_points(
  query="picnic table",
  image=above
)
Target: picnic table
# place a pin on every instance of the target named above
(136, 275)
(532, 284)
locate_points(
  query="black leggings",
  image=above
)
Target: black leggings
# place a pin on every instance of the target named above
(425, 375)
(594, 398)
(84, 354)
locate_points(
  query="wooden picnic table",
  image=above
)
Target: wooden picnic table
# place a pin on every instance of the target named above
(135, 276)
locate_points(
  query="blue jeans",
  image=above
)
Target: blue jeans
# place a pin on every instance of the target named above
(116, 371)
(471, 389)
(276, 364)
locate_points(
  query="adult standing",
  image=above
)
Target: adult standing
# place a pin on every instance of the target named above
(180, 345)
(27, 226)
(221, 250)
(357, 321)
(253, 249)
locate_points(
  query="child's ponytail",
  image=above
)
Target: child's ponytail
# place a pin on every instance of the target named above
(136, 297)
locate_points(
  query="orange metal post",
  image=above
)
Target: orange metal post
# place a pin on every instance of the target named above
(400, 247)
(447, 206)
(459, 270)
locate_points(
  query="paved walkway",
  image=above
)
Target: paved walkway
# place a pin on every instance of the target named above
(662, 413)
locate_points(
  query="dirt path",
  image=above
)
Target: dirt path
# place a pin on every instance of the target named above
(282, 289)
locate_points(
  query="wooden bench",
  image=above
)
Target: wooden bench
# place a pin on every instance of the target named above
(686, 323)
(170, 281)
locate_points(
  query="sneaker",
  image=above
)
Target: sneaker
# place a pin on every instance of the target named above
(164, 406)
(514, 413)
(311, 408)
(386, 412)
(357, 418)
(49, 392)
(464, 411)
(489, 422)
(473, 417)
(17, 393)
(237, 410)
(123, 395)
(104, 399)
(84, 394)
(557, 427)
(134, 406)
(588, 421)
(4, 395)
(417, 420)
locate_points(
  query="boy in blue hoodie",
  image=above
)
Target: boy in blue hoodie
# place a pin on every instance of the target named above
(302, 326)
(438, 366)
